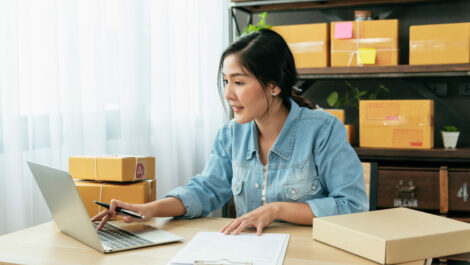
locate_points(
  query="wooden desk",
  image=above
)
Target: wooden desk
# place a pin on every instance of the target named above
(45, 244)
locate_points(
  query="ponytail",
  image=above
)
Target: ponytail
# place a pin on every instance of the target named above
(301, 100)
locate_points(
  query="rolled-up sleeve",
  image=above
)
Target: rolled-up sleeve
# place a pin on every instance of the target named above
(340, 173)
(210, 189)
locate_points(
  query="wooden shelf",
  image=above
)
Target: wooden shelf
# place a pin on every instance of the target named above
(431, 155)
(398, 71)
(274, 5)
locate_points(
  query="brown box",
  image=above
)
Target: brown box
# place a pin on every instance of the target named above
(351, 133)
(137, 192)
(394, 235)
(381, 35)
(396, 123)
(309, 43)
(440, 44)
(459, 188)
(416, 188)
(112, 168)
(338, 113)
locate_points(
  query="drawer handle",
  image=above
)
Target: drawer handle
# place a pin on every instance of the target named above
(409, 190)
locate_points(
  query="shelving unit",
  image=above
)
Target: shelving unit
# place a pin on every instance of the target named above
(399, 71)
(274, 5)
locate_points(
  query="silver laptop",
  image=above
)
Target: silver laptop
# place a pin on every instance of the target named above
(70, 215)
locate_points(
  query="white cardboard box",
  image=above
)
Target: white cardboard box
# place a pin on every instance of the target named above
(394, 235)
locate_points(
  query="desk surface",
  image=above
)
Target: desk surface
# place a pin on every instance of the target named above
(45, 244)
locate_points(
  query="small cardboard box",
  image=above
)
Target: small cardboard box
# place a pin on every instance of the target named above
(338, 113)
(137, 192)
(112, 168)
(351, 133)
(381, 35)
(440, 44)
(396, 123)
(394, 235)
(309, 43)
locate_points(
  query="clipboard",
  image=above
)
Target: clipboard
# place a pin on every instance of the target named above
(221, 262)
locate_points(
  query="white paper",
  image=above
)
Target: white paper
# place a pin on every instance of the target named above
(266, 249)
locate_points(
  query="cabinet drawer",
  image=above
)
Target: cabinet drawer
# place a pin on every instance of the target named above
(459, 186)
(416, 188)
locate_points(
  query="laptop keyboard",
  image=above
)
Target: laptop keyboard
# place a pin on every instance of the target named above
(118, 238)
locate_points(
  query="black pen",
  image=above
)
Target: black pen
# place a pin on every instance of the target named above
(120, 210)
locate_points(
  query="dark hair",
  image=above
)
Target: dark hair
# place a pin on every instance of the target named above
(266, 55)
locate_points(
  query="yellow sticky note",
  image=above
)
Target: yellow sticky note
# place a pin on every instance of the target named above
(367, 55)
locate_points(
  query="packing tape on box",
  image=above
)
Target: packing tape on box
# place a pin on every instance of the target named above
(435, 45)
(307, 46)
(135, 168)
(364, 40)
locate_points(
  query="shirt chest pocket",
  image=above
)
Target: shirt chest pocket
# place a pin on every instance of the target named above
(296, 190)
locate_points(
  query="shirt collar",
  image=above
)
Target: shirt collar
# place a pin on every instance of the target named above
(285, 141)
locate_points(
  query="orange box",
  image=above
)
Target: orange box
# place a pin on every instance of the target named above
(351, 133)
(338, 113)
(112, 168)
(137, 192)
(381, 35)
(309, 43)
(396, 123)
(440, 44)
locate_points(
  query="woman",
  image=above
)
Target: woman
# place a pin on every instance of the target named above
(279, 159)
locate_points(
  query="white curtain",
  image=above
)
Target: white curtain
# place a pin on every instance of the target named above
(105, 77)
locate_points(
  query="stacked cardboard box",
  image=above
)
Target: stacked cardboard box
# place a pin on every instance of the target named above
(309, 43)
(396, 123)
(350, 128)
(102, 178)
(440, 44)
(357, 43)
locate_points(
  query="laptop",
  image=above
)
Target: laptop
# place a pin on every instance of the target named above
(71, 217)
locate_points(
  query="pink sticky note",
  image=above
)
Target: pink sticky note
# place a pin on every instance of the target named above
(343, 30)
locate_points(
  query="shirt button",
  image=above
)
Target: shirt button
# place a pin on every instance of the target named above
(292, 191)
(313, 187)
(256, 185)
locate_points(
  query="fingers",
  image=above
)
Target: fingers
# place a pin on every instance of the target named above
(103, 222)
(99, 216)
(240, 228)
(259, 230)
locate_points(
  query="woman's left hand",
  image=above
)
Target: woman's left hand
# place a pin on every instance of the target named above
(259, 218)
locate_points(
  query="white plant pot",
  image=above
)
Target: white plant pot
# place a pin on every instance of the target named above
(450, 139)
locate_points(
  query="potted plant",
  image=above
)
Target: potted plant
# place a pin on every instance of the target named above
(450, 135)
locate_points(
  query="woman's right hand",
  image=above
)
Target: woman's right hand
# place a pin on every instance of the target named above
(107, 214)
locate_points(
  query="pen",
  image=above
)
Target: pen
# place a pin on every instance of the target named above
(120, 210)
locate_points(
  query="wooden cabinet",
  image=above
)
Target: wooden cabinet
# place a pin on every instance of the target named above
(410, 187)
(459, 180)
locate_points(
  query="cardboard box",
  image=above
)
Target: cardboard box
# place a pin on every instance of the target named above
(396, 123)
(394, 235)
(351, 133)
(381, 35)
(338, 113)
(112, 168)
(440, 44)
(138, 192)
(309, 43)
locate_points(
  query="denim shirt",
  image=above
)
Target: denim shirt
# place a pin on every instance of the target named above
(310, 162)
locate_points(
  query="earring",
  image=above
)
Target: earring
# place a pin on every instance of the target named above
(274, 94)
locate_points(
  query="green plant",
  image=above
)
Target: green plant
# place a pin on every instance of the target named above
(450, 128)
(352, 96)
(260, 25)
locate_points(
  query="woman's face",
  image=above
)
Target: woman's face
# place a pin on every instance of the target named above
(244, 92)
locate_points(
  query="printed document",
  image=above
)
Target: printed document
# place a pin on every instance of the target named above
(246, 248)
